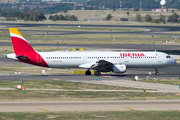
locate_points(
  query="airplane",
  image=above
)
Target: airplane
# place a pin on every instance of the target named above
(104, 61)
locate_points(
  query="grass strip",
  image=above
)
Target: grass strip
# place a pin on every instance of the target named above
(172, 82)
(37, 95)
(93, 115)
(92, 39)
(59, 84)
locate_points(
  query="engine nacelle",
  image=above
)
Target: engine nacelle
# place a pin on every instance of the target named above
(119, 68)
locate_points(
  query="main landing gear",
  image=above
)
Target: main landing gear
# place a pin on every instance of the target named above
(157, 73)
(97, 73)
(88, 72)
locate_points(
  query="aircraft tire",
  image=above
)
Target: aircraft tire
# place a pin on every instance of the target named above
(97, 73)
(88, 72)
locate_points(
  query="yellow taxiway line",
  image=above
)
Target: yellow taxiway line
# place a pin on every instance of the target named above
(42, 109)
(129, 109)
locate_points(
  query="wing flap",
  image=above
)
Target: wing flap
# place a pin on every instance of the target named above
(99, 64)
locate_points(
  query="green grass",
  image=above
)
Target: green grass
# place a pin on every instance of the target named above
(93, 115)
(47, 95)
(172, 82)
(59, 84)
(94, 39)
(71, 94)
(88, 39)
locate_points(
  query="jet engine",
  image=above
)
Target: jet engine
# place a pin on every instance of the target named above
(119, 68)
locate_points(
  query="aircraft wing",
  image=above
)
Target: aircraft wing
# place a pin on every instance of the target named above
(101, 64)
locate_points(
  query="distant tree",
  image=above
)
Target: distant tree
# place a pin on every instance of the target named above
(172, 11)
(179, 8)
(155, 21)
(138, 18)
(61, 17)
(50, 17)
(41, 17)
(21, 16)
(148, 18)
(65, 10)
(109, 16)
(114, 9)
(162, 18)
(173, 18)
(170, 19)
(164, 21)
(136, 9)
(124, 19)
(31, 15)
(35, 18)
(127, 12)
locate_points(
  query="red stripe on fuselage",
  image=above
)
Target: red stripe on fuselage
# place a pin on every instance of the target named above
(23, 48)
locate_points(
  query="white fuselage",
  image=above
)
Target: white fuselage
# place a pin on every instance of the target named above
(130, 59)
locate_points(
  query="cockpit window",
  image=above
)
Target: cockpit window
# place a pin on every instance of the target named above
(168, 57)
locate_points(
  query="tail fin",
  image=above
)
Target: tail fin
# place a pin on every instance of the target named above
(23, 50)
(20, 44)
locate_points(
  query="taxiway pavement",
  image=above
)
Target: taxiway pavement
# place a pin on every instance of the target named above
(172, 49)
(91, 105)
(151, 28)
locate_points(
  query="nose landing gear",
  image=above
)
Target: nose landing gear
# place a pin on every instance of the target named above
(157, 73)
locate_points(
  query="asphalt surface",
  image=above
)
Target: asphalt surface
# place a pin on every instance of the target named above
(91, 105)
(165, 73)
(159, 47)
(55, 32)
(152, 28)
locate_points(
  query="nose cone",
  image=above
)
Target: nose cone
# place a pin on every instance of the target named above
(173, 61)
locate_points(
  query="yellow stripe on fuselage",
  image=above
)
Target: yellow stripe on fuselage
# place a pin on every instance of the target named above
(15, 31)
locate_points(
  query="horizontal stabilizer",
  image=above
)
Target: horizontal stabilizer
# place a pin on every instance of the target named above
(11, 56)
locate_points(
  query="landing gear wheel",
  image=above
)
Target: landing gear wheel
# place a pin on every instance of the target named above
(157, 73)
(97, 73)
(88, 72)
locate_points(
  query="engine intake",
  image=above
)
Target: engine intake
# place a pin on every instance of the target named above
(120, 68)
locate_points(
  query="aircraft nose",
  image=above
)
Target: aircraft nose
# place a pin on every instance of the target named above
(173, 61)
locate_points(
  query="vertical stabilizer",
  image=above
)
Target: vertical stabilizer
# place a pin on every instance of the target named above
(20, 44)
(23, 50)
